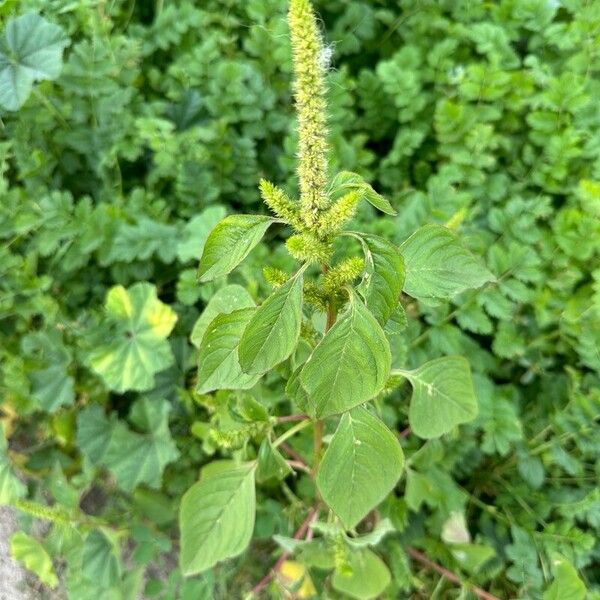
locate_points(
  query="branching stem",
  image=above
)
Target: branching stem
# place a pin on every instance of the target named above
(449, 575)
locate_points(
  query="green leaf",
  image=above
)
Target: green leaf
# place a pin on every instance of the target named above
(355, 345)
(216, 518)
(100, 564)
(273, 331)
(196, 232)
(437, 266)
(218, 364)
(365, 577)
(225, 301)
(374, 537)
(271, 464)
(135, 348)
(51, 384)
(11, 488)
(295, 391)
(94, 433)
(34, 557)
(133, 458)
(53, 387)
(30, 51)
(566, 585)
(346, 181)
(141, 240)
(472, 557)
(443, 396)
(230, 242)
(384, 277)
(360, 467)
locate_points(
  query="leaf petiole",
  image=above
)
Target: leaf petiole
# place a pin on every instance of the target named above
(291, 431)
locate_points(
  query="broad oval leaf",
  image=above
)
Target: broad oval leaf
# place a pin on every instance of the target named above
(384, 278)
(443, 396)
(30, 51)
(196, 232)
(360, 467)
(135, 348)
(437, 265)
(365, 579)
(216, 518)
(273, 331)
(349, 366)
(218, 364)
(230, 242)
(226, 300)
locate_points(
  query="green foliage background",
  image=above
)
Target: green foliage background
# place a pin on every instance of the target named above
(483, 116)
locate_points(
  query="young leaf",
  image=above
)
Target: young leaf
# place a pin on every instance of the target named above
(384, 277)
(230, 242)
(355, 345)
(31, 51)
(366, 577)
(347, 181)
(218, 364)
(273, 331)
(34, 557)
(360, 467)
(136, 349)
(443, 396)
(226, 300)
(437, 266)
(216, 518)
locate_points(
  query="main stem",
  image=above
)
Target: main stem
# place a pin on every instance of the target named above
(319, 426)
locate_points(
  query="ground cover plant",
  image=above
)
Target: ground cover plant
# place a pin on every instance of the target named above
(131, 392)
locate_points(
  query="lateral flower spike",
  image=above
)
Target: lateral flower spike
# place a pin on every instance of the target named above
(309, 93)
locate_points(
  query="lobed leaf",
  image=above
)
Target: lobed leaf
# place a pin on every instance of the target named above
(30, 51)
(136, 349)
(32, 554)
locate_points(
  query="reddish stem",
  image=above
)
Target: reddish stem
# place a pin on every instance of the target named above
(299, 466)
(449, 575)
(292, 453)
(405, 432)
(300, 533)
